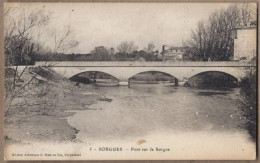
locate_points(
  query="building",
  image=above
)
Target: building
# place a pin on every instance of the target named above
(245, 42)
(172, 53)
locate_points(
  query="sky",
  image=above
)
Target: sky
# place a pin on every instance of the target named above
(108, 24)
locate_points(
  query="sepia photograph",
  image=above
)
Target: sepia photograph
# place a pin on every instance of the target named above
(130, 81)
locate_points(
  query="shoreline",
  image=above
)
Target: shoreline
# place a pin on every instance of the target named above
(25, 125)
(49, 122)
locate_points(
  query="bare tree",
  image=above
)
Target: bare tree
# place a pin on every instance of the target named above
(19, 44)
(150, 47)
(127, 47)
(212, 40)
(22, 45)
(112, 51)
(63, 40)
(101, 53)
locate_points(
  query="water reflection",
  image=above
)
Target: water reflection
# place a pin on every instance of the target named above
(144, 109)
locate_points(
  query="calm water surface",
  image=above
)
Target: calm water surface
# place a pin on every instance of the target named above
(149, 112)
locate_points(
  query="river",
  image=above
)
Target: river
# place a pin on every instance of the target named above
(183, 118)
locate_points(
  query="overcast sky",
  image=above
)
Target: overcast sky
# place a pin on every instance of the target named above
(108, 24)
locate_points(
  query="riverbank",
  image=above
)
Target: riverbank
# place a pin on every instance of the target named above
(39, 114)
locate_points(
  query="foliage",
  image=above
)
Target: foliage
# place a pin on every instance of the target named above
(126, 47)
(212, 39)
(102, 53)
(150, 47)
(22, 47)
(19, 31)
(249, 107)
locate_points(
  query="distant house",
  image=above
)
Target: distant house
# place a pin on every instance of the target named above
(245, 42)
(172, 53)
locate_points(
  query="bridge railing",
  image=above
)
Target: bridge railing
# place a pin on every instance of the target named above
(144, 64)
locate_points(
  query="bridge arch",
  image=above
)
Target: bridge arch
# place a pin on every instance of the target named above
(214, 78)
(153, 72)
(88, 75)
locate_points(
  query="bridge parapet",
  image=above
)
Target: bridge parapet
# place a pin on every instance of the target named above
(123, 71)
(144, 64)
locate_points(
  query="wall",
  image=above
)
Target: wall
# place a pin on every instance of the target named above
(245, 43)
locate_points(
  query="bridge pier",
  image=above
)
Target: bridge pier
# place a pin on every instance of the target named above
(176, 82)
(123, 83)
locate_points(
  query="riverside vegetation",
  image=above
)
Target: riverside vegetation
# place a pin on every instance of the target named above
(39, 112)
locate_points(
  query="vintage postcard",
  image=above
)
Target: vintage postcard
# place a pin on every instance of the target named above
(130, 81)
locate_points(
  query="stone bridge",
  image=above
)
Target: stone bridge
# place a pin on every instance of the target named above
(123, 71)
